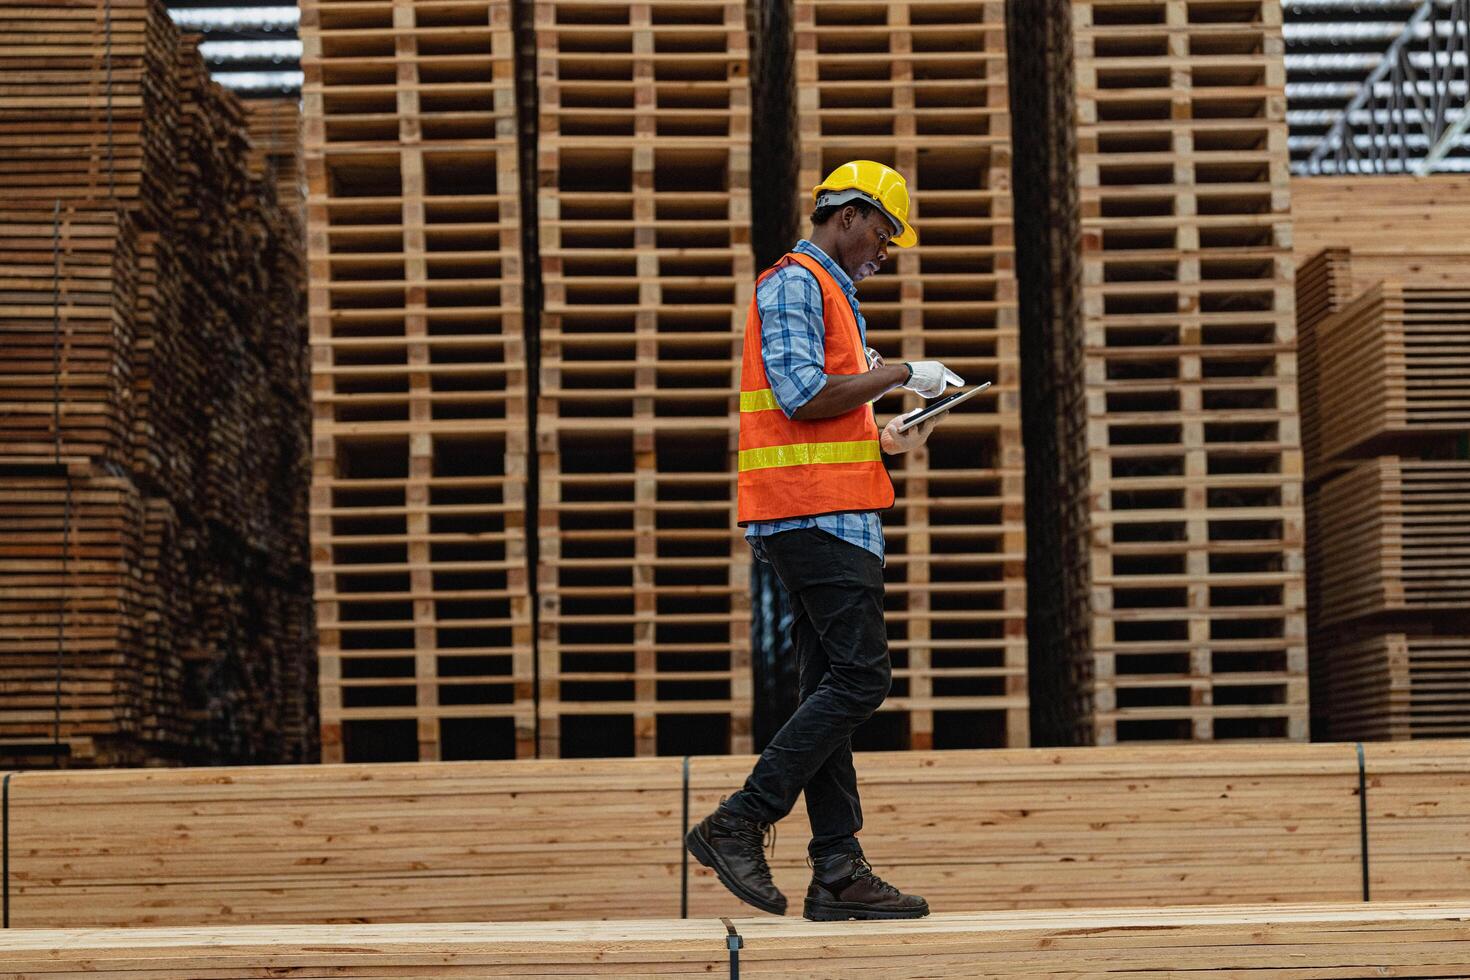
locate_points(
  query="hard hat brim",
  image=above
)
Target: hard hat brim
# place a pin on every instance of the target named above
(907, 238)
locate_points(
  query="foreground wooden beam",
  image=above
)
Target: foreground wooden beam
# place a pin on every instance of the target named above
(1426, 940)
(587, 839)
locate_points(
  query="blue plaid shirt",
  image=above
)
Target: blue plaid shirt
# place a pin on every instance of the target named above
(792, 332)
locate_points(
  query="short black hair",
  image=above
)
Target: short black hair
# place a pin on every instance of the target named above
(823, 215)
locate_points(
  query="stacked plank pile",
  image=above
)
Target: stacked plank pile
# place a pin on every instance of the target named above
(1387, 215)
(1385, 422)
(152, 447)
(644, 218)
(275, 149)
(923, 87)
(578, 839)
(1269, 942)
(1188, 337)
(419, 388)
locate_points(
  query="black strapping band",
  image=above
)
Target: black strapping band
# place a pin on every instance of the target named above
(1363, 817)
(734, 943)
(5, 850)
(684, 850)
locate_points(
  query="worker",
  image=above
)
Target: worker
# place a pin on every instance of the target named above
(811, 484)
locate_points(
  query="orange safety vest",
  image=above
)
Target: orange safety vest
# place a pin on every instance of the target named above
(823, 466)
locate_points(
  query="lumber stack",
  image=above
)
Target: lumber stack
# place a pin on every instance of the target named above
(154, 428)
(1267, 941)
(1385, 340)
(275, 149)
(419, 387)
(1187, 331)
(644, 221)
(1394, 214)
(1393, 370)
(923, 87)
(577, 839)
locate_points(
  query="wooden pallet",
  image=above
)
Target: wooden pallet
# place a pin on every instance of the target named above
(1393, 541)
(1187, 331)
(1269, 941)
(513, 841)
(923, 88)
(643, 153)
(419, 388)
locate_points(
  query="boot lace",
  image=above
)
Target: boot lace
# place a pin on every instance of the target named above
(862, 869)
(759, 837)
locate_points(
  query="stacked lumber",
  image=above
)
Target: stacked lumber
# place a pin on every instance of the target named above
(1394, 539)
(576, 839)
(90, 103)
(922, 86)
(1385, 344)
(1415, 795)
(275, 149)
(644, 222)
(154, 417)
(1423, 216)
(1267, 941)
(1393, 370)
(1394, 686)
(1187, 332)
(70, 288)
(418, 380)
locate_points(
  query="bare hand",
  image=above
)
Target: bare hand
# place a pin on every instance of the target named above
(894, 442)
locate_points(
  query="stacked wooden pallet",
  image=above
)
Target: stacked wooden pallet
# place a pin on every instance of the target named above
(154, 408)
(922, 86)
(1188, 334)
(644, 220)
(1271, 942)
(577, 839)
(419, 387)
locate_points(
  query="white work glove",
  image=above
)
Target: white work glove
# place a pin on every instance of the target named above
(894, 442)
(930, 378)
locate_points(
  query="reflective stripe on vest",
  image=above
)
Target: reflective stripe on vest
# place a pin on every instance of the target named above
(810, 454)
(758, 401)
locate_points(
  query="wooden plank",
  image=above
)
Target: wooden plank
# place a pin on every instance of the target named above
(1273, 941)
(574, 839)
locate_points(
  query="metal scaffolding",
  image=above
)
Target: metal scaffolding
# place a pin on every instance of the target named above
(1410, 114)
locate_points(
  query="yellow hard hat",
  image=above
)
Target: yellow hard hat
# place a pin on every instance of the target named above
(880, 185)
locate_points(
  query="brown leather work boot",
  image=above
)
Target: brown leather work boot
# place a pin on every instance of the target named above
(844, 887)
(730, 846)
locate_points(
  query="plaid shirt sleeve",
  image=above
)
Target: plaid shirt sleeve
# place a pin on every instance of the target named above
(792, 336)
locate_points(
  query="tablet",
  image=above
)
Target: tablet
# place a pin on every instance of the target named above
(939, 407)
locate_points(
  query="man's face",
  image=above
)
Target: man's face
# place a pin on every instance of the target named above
(865, 243)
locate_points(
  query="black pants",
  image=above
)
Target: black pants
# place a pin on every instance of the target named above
(842, 648)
